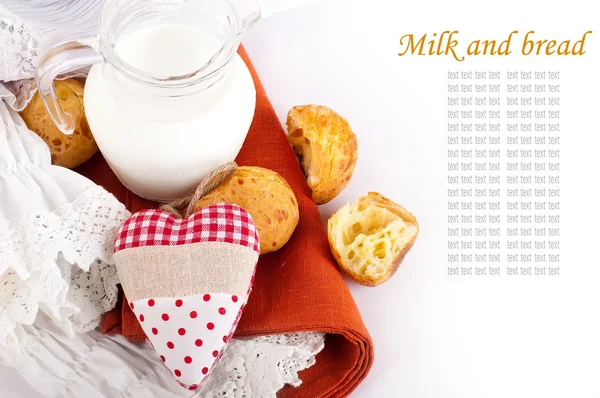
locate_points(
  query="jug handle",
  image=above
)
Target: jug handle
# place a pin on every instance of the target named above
(61, 59)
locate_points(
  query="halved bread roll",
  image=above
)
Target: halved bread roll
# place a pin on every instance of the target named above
(370, 238)
(326, 148)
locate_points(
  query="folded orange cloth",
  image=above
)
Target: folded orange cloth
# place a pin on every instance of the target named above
(298, 288)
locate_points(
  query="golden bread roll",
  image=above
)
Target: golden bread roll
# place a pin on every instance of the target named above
(266, 196)
(370, 238)
(326, 148)
(66, 150)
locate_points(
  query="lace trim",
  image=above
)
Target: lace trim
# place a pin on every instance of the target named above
(60, 263)
(17, 94)
(261, 366)
(20, 47)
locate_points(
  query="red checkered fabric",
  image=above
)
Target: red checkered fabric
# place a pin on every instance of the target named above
(222, 222)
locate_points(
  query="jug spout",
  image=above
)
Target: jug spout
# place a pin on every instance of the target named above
(247, 13)
(242, 16)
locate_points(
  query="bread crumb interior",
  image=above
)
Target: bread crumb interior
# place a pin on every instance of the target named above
(371, 238)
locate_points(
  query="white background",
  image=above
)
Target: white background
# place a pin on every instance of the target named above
(435, 336)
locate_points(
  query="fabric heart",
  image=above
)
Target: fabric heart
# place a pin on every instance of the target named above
(187, 281)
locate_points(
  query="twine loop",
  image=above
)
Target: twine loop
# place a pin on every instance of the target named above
(208, 183)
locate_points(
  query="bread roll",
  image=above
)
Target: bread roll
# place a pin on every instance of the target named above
(326, 148)
(266, 196)
(370, 238)
(66, 150)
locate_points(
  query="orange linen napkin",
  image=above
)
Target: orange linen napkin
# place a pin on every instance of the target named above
(297, 289)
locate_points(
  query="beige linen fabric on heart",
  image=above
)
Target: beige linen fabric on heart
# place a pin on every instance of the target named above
(150, 271)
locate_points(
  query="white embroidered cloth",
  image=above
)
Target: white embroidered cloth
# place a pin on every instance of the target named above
(56, 232)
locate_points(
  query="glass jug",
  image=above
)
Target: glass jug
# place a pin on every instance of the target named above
(167, 98)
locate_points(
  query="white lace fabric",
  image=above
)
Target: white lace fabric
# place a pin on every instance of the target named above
(29, 27)
(246, 369)
(56, 230)
(58, 263)
(21, 46)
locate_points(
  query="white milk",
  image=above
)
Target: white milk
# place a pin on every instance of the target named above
(167, 49)
(161, 147)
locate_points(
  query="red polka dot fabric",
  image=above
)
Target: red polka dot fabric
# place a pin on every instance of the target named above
(188, 346)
